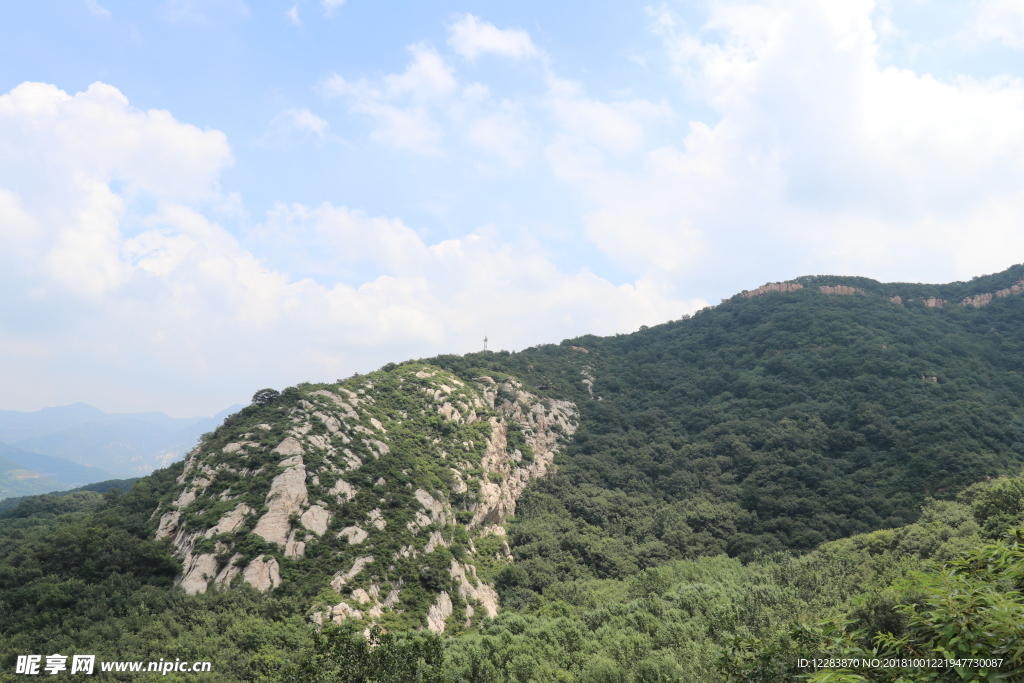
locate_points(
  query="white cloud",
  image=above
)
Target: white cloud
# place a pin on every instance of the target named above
(1001, 20)
(471, 37)
(306, 121)
(138, 297)
(816, 157)
(293, 16)
(96, 9)
(62, 153)
(458, 286)
(425, 110)
(819, 158)
(427, 77)
(292, 123)
(399, 105)
(618, 127)
(502, 134)
(331, 5)
(404, 126)
(96, 132)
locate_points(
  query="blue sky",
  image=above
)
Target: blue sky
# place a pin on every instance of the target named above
(202, 198)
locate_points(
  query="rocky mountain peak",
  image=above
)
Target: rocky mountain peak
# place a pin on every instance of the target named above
(388, 493)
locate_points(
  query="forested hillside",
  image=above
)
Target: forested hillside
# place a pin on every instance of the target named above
(775, 421)
(788, 474)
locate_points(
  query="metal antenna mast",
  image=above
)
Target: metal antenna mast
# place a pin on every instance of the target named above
(485, 342)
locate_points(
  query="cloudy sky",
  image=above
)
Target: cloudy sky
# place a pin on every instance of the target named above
(200, 198)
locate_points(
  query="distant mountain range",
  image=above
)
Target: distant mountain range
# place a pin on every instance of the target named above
(55, 449)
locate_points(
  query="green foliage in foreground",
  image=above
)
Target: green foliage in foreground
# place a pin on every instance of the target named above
(964, 607)
(967, 612)
(941, 584)
(343, 655)
(936, 589)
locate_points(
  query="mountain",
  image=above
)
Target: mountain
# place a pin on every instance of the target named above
(795, 473)
(126, 444)
(61, 470)
(787, 416)
(16, 425)
(19, 426)
(18, 480)
(33, 500)
(391, 492)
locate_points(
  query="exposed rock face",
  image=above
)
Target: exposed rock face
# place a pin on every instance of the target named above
(979, 300)
(316, 519)
(976, 301)
(439, 613)
(376, 519)
(289, 446)
(436, 540)
(783, 287)
(200, 570)
(543, 428)
(480, 592)
(229, 572)
(433, 507)
(357, 566)
(1016, 288)
(839, 289)
(169, 520)
(353, 470)
(263, 573)
(230, 522)
(343, 489)
(342, 611)
(287, 497)
(353, 534)
(588, 380)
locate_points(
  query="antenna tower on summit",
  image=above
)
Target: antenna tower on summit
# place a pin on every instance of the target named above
(485, 342)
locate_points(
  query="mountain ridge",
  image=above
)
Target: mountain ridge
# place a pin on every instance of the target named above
(703, 492)
(977, 292)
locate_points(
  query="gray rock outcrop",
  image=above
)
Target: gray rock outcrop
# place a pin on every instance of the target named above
(263, 573)
(439, 612)
(287, 497)
(783, 287)
(842, 290)
(291, 493)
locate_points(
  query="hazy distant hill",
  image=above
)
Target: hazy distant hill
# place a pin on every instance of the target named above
(16, 480)
(124, 444)
(60, 469)
(16, 425)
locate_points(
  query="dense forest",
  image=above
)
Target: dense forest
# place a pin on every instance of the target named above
(769, 423)
(788, 475)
